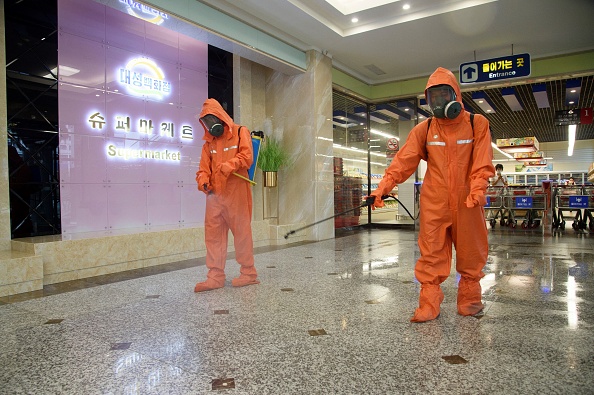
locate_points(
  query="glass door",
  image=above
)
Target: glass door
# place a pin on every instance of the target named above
(366, 138)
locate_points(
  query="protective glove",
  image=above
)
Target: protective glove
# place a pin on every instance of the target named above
(203, 183)
(205, 187)
(476, 198)
(225, 169)
(377, 202)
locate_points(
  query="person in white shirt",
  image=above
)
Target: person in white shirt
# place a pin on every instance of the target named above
(499, 180)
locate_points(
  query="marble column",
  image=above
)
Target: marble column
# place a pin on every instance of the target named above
(4, 187)
(249, 81)
(299, 114)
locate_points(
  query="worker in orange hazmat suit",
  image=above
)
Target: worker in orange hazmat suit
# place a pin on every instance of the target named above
(227, 149)
(457, 148)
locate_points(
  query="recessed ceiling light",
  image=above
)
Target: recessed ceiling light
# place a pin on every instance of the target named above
(571, 102)
(355, 20)
(572, 91)
(406, 6)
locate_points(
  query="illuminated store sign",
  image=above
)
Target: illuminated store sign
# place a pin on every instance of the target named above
(144, 12)
(131, 153)
(126, 119)
(143, 77)
(145, 126)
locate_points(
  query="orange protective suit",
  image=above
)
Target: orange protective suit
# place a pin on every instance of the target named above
(459, 165)
(229, 199)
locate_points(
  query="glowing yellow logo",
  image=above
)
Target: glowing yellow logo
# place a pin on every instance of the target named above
(143, 77)
(144, 12)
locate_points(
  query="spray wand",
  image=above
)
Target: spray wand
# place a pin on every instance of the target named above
(368, 202)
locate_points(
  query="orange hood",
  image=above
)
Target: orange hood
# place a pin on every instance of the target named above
(443, 76)
(213, 107)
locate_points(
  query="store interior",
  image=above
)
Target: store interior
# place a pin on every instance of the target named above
(528, 110)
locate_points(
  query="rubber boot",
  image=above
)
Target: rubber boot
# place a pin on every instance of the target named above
(469, 297)
(215, 279)
(429, 301)
(247, 276)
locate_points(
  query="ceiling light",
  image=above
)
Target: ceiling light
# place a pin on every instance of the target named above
(481, 99)
(355, 20)
(572, 91)
(571, 139)
(348, 7)
(406, 7)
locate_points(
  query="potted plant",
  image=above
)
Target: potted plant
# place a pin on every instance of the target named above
(271, 157)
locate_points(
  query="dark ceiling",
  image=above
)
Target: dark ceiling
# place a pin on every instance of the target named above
(534, 121)
(505, 123)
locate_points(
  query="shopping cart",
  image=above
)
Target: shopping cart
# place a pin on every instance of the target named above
(587, 219)
(495, 208)
(569, 199)
(528, 203)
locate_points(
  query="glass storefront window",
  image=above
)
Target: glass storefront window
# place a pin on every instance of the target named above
(350, 159)
(366, 138)
(390, 124)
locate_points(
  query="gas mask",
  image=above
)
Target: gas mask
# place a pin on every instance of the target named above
(442, 101)
(213, 124)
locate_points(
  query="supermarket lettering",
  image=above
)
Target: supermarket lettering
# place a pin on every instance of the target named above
(130, 153)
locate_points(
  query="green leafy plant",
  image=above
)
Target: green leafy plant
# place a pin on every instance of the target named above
(272, 156)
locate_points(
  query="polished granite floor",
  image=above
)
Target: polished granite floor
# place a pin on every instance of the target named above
(330, 317)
